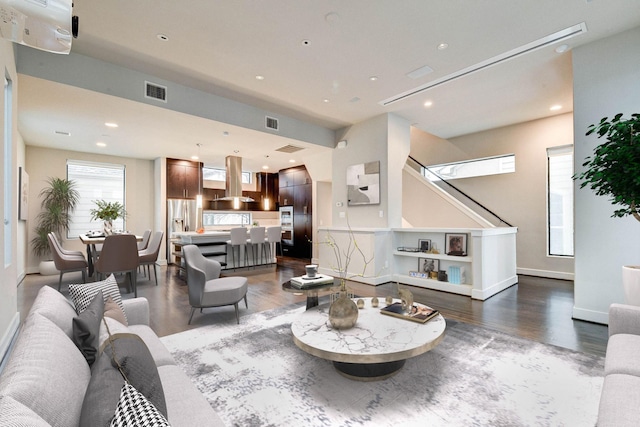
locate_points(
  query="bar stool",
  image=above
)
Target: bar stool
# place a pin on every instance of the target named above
(238, 239)
(274, 238)
(256, 241)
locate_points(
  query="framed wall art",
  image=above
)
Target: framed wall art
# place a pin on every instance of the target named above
(363, 184)
(455, 244)
(23, 194)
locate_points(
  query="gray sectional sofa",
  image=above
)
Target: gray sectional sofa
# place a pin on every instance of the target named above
(45, 378)
(620, 399)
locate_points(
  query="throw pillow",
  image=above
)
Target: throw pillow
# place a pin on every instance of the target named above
(135, 410)
(113, 310)
(81, 295)
(103, 392)
(86, 328)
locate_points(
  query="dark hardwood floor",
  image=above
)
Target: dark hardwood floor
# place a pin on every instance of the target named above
(536, 308)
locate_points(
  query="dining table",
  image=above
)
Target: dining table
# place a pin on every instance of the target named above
(91, 240)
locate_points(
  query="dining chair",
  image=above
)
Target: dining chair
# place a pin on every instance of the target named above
(206, 287)
(273, 240)
(238, 240)
(65, 260)
(149, 256)
(119, 255)
(142, 244)
(256, 243)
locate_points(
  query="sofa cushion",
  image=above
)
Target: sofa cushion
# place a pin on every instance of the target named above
(186, 406)
(113, 310)
(55, 307)
(619, 401)
(103, 392)
(15, 414)
(86, 327)
(134, 409)
(46, 372)
(83, 294)
(623, 355)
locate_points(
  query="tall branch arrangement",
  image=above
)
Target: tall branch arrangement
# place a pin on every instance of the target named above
(343, 256)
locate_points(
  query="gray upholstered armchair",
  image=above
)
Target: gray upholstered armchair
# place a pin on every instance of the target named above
(65, 260)
(206, 287)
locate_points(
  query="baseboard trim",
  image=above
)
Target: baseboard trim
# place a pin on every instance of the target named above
(8, 338)
(590, 315)
(546, 273)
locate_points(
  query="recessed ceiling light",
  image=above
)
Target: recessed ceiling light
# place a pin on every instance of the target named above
(442, 46)
(555, 107)
(326, 101)
(562, 48)
(111, 125)
(373, 78)
(259, 77)
(101, 144)
(292, 160)
(162, 37)
(194, 157)
(306, 42)
(265, 167)
(428, 103)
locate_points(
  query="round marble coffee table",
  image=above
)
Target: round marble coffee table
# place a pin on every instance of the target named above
(375, 348)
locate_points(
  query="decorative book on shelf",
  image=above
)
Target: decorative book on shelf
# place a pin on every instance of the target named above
(419, 313)
(303, 282)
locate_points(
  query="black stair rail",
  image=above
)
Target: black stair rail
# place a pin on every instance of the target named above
(462, 192)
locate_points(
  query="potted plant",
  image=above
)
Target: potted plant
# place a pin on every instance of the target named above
(59, 199)
(107, 212)
(614, 170)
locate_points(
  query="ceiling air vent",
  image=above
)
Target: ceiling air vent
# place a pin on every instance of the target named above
(289, 149)
(271, 123)
(155, 91)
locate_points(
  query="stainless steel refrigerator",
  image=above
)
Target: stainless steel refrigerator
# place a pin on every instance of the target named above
(181, 216)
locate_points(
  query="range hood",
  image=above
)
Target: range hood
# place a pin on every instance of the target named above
(233, 188)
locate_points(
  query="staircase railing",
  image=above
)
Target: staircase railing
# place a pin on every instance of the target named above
(471, 199)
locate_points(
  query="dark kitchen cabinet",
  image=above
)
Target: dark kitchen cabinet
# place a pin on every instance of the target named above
(295, 190)
(184, 180)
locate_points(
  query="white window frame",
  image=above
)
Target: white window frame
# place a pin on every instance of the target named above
(484, 166)
(246, 176)
(95, 181)
(560, 190)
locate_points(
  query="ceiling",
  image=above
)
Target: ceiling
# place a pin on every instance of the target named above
(317, 59)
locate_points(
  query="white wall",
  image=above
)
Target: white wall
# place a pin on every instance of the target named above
(384, 138)
(606, 82)
(140, 202)
(9, 316)
(521, 197)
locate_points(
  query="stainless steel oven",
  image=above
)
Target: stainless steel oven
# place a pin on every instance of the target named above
(286, 222)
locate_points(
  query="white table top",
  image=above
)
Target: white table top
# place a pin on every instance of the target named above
(376, 338)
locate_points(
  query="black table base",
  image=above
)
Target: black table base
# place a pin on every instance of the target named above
(369, 371)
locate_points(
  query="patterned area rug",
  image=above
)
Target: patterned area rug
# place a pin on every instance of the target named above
(254, 375)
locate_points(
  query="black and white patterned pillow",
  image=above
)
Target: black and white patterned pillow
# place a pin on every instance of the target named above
(135, 410)
(83, 294)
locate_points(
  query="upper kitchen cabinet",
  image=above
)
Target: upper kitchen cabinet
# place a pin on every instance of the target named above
(184, 180)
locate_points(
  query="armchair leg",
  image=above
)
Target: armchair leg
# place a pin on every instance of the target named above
(155, 272)
(245, 301)
(193, 310)
(237, 313)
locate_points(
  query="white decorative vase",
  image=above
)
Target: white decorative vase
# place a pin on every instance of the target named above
(47, 268)
(107, 227)
(631, 284)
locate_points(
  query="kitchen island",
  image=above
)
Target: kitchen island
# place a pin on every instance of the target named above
(213, 244)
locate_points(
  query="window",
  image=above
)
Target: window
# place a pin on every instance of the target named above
(560, 200)
(94, 181)
(216, 174)
(222, 219)
(472, 168)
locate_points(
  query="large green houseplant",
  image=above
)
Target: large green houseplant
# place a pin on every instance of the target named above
(614, 170)
(59, 199)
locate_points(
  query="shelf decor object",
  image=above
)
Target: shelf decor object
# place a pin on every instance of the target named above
(455, 244)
